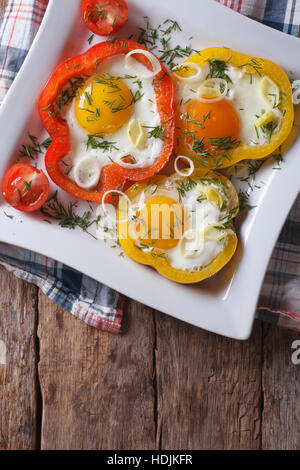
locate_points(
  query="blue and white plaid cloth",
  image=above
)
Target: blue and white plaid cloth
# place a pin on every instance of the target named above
(91, 301)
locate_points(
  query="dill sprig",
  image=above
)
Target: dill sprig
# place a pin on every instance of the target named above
(8, 215)
(185, 186)
(255, 64)
(196, 121)
(27, 185)
(215, 148)
(169, 54)
(108, 80)
(46, 143)
(94, 143)
(173, 26)
(67, 216)
(226, 220)
(159, 38)
(98, 12)
(88, 98)
(268, 129)
(217, 69)
(90, 39)
(70, 91)
(252, 168)
(224, 143)
(244, 200)
(157, 132)
(33, 149)
(115, 106)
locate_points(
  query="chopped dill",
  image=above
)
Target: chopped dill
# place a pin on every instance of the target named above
(158, 38)
(215, 148)
(33, 149)
(98, 12)
(90, 39)
(67, 216)
(157, 132)
(8, 215)
(217, 69)
(69, 92)
(255, 64)
(185, 186)
(243, 200)
(88, 98)
(46, 143)
(93, 142)
(27, 185)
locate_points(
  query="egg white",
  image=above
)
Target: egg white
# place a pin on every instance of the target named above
(245, 96)
(197, 216)
(145, 109)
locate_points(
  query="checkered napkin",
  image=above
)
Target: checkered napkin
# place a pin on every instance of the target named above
(91, 301)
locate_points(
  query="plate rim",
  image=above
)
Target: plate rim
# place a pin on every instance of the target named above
(242, 333)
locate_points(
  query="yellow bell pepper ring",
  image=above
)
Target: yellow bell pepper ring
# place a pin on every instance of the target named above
(238, 107)
(211, 240)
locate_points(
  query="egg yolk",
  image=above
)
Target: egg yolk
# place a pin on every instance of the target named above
(160, 223)
(205, 124)
(103, 105)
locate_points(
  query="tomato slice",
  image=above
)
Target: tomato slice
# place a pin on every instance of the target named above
(104, 17)
(25, 187)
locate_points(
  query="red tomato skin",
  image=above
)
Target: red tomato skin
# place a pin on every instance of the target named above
(23, 170)
(101, 26)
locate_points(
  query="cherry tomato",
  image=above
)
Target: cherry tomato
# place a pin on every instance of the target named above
(104, 17)
(25, 187)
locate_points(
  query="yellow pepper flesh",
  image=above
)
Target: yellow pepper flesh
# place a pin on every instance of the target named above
(159, 262)
(241, 152)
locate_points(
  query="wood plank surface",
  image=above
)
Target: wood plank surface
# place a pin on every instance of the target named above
(97, 388)
(209, 388)
(281, 390)
(160, 384)
(18, 379)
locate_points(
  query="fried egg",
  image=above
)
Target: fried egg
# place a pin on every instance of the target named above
(227, 110)
(185, 220)
(237, 113)
(112, 118)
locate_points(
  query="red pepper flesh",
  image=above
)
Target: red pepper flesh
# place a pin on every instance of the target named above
(87, 64)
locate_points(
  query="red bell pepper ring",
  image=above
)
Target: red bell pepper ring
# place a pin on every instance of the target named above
(112, 176)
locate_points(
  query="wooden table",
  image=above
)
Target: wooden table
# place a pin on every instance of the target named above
(161, 384)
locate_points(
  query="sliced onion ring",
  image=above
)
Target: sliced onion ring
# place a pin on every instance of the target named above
(296, 92)
(115, 191)
(126, 164)
(222, 95)
(130, 63)
(196, 76)
(190, 162)
(82, 167)
(189, 235)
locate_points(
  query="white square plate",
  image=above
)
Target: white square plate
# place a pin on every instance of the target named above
(225, 303)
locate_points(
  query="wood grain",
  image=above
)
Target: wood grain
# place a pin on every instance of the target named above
(209, 388)
(18, 380)
(281, 391)
(161, 384)
(97, 388)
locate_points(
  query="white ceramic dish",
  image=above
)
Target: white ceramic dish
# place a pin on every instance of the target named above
(224, 304)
